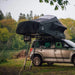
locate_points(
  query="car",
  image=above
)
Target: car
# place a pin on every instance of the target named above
(52, 51)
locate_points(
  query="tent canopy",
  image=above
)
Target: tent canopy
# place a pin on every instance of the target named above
(45, 25)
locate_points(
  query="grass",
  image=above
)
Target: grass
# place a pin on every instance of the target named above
(13, 66)
(9, 54)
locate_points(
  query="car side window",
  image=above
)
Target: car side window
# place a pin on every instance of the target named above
(47, 45)
(66, 45)
(36, 44)
(58, 45)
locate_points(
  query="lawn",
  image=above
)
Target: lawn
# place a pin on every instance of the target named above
(13, 67)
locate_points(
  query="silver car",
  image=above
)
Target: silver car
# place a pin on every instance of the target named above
(52, 51)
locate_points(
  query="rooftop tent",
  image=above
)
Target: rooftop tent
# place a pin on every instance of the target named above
(45, 25)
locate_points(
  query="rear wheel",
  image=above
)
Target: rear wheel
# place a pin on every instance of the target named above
(50, 63)
(37, 61)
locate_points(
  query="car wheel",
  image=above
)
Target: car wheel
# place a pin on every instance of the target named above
(74, 61)
(50, 63)
(37, 61)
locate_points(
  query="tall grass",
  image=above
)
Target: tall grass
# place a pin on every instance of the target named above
(7, 54)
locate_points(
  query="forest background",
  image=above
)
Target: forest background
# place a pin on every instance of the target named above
(9, 40)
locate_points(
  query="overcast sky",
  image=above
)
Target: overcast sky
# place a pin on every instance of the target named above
(25, 6)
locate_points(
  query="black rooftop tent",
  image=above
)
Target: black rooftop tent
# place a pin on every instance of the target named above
(46, 25)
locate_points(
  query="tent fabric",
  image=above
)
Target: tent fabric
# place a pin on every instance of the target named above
(46, 25)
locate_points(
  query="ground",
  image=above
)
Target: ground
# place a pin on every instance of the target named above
(13, 67)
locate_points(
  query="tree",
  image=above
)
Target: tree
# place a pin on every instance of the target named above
(57, 3)
(36, 17)
(8, 16)
(1, 15)
(4, 34)
(42, 15)
(31, 15)
(70, 24)
(10, 24)
(22, 16)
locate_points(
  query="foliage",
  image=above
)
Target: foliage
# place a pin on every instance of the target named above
(8, 16)
(18, 42)
(9, 40)
(70, 24)
(4, 34)
(3, 57)
(22, 16)
(57, 3)
(10, 24)
(1, 15)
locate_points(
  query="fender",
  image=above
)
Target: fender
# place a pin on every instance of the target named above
(71, 55)
(37, 53)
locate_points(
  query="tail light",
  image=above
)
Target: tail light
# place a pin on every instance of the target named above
(31, 50)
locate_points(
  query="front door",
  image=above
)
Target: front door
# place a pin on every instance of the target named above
(58, 52)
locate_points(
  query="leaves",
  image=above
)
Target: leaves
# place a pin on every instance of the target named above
(54, 0)
(41, 1)
(4, 34)
(60, 3)
(51, 3)
(56, 7)
(62, 7)
(47, 1)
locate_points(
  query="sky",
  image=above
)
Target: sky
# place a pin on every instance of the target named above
(25, 6)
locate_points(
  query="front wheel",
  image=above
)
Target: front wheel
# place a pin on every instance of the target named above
(37, 61)
(74, 61)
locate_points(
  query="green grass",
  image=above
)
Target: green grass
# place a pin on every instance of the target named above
(13, 66)
(9, 54)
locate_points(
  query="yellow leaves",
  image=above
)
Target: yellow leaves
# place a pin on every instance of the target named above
(70, 24)
(4, 34)
(21, 20)
(10, 24)
(36, 17)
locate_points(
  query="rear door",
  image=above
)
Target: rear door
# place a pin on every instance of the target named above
(46, 50)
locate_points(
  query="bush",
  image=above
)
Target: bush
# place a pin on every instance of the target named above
(3, 57)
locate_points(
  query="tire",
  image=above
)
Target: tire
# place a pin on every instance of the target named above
(74, 61)
(50, 63)
(37, 61)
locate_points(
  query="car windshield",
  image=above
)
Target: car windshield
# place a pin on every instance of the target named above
(69, 42)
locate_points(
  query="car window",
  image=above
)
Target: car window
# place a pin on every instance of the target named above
(66, 45)
(58, 45)
(36, 44)
(42, 44)
(47, 45)
(50, 44)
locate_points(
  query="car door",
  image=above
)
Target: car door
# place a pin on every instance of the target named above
(47, 51)
(58, 51)
(66, 51)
